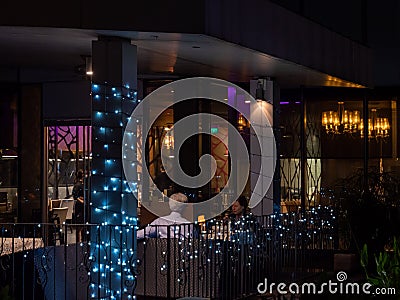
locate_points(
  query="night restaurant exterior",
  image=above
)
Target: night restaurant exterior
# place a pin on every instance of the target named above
(68, 92)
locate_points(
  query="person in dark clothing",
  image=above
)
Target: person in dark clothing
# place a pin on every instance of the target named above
(78, 194)
(239, 208)
(242, 248)
(244, 224)
(163, 181)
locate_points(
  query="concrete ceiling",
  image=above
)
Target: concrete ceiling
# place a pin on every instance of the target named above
(160, 55)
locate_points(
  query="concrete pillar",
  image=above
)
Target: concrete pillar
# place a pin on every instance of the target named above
(266, 92)
(113, 206)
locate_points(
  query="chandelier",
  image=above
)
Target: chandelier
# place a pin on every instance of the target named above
(168, 139)
(341, 121)
(377, 127)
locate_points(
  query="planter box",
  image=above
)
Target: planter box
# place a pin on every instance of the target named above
(346, 262)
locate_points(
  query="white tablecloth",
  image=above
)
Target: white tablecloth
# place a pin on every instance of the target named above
(20, 244)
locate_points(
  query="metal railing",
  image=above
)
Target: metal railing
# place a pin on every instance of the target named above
(220, 259)
(228, 259)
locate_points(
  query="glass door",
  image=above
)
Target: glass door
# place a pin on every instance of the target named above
(68, 151)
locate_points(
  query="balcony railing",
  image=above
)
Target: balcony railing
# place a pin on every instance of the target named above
(217, 259)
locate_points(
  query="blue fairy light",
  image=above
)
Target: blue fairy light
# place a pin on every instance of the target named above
(108, 133)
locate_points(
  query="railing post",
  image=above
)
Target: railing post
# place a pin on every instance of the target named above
(169, 273)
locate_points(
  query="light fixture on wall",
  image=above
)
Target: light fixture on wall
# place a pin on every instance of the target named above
(260, 90)
(241, 122)
(377, 127)
(86, 68)
(88, 65)
(341, 121)
(264, 89)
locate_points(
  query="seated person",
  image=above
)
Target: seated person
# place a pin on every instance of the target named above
(178, 225)
(162, 181)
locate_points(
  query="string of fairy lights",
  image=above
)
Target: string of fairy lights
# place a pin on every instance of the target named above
(113, 205)
(242, 240)
(112, 262)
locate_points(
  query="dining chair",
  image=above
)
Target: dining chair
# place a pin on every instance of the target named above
(70, 204)
(55, 203)
(59, 216)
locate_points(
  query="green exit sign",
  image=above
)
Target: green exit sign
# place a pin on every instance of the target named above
(214, 130)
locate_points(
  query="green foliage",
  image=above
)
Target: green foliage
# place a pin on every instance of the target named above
(5, 293)
(367, 215)
(387, 265)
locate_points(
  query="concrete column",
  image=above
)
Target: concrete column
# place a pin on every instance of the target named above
(113, 206)
(266, 92)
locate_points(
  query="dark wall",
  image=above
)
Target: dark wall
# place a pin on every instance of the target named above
(167, 16)
(67, 100)
(30, 145)
(269, 28)
(8, 111)
(372, 22)
(341, 16)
